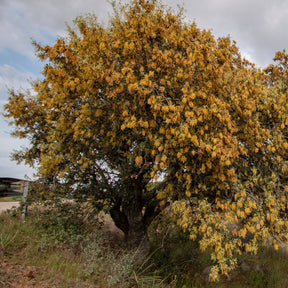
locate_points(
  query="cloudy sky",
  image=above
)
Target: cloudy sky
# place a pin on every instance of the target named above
(258, 26)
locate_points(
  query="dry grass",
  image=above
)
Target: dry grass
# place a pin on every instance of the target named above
(35, 258)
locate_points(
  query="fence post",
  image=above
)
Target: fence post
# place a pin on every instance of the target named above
(24, 198)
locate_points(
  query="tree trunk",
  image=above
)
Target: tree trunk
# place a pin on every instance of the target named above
(132, 222)
(137, 235)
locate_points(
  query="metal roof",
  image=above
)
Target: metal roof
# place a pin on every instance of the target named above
(10, 180)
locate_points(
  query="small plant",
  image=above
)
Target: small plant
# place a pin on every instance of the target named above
(10, 231)
(93, 253)
(142, 279)
(6, 238)
(67, 223)
(98, 256)
(258, 279)
(174, 259)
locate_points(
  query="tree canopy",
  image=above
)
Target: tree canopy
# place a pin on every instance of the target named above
(150, 110)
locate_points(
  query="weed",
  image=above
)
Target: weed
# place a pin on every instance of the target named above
(258, 279)
(176, 260)
(6, 238)
(10, 232)
(141, 278)
(116, 265)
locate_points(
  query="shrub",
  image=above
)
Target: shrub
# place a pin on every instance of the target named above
(67, 222)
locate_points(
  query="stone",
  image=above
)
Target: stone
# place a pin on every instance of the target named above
(244, 266)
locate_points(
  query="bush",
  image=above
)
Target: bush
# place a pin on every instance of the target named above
(68, 222)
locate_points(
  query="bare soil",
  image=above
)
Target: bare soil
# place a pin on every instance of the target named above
(8, 205)
(15, 275)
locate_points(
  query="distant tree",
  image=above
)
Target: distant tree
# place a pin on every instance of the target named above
(151, 96)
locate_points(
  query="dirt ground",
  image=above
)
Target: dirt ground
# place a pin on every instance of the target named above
(18, 276)
(15, 275)
(8, 205)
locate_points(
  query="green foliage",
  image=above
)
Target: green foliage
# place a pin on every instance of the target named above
(115, 265)
(67, 222)
(258, 279)
(174, 257)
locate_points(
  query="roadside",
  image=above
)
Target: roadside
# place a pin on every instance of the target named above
(8, 205)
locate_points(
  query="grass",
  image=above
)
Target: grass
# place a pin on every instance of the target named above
(11, 199)
(47, 240)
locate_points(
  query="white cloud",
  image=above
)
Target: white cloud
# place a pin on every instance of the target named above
(43, 21)
(9, 168)
(10, 78)
(258, 25)
(248, 56)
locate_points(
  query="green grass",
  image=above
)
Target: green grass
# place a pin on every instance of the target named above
(51, 242)
(11, 199)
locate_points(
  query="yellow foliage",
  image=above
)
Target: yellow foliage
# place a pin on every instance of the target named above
(138, 160)
(154, 85)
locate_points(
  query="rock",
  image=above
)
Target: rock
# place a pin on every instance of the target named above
(30, 274)
(244, 266)
(259, 268)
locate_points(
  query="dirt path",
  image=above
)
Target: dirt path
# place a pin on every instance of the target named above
(8, 205)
